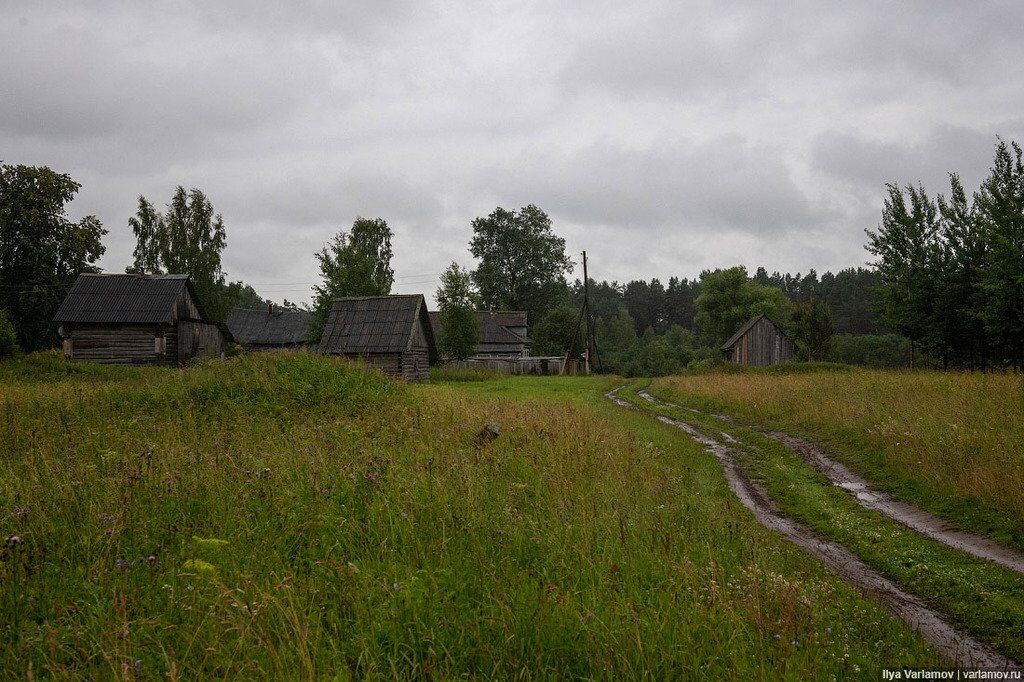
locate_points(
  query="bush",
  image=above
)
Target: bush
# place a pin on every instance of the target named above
(886, 351)
(8, 338)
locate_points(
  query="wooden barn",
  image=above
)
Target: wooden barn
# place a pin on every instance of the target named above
(136, 320)
(389, 332)
(758, 343)
(269, 328)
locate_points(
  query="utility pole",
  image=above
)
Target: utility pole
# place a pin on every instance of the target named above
(586, 315)
(587, 318)
(592, 356)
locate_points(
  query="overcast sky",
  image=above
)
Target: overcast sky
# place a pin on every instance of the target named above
(662, 137)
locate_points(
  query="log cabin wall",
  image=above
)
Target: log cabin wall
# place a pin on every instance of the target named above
(121, 344)
(198, 340)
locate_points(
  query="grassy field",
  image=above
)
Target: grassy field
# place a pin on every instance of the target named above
(981, 598)
(293, 516)
(947, 442)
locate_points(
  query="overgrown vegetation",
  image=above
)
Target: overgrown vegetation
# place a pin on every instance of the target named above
(287, 515)
(8, 337)
(948, 442)
(969, 590)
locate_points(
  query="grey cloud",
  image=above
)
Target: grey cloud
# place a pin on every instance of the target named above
(725, 183)
(868, 163)
(729, 51)
(663, 137)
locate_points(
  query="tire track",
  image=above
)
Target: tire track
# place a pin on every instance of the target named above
(959, 647)
(912, 517)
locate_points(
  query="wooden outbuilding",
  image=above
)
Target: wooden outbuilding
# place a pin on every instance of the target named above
(137, 320)
(269, 328)
(392, 333)
(758, 343)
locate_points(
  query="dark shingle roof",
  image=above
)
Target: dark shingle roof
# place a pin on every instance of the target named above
(130, 299)
(492, 326)
(745, 328)
(282, 327)
(375, 324)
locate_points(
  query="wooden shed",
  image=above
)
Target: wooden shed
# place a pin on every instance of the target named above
(270, 327)
(136, 320)
(758, 343)
(389, 332)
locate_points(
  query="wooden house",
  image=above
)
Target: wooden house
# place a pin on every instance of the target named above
(502, 333)
(758, 343)
(136, 320)
(269, 328)
(392, 333)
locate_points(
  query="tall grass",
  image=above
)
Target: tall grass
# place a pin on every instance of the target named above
(951, 442)
(295, 516)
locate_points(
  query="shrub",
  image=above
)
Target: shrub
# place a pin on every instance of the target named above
(886, 351)
(8, 338)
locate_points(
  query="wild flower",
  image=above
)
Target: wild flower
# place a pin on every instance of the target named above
(200, 566)
(122, 564)
(21, 512)
(13, 540)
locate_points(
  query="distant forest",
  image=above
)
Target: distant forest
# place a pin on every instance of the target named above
(850, 294)
(648, 328)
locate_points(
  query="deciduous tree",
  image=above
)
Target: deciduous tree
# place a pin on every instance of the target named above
(456, 301)
(353, 263)
(522, 263)
(42, 252)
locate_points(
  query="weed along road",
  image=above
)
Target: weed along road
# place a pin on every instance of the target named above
(735, 455)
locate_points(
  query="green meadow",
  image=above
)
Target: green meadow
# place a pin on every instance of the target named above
(292, 516)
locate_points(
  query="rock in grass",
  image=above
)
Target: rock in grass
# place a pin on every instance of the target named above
(489, 432)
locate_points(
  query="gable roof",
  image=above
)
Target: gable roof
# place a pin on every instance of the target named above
(492, 326)
(747, 327)
(280, 327)
(506, 318)
(376, 324)
(131, 299)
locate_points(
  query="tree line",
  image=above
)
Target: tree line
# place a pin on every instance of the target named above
(946, 289)
(951, 269)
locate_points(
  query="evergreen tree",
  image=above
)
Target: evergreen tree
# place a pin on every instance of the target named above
(646, 304)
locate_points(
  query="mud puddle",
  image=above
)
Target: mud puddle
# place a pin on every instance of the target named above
(955, 645)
